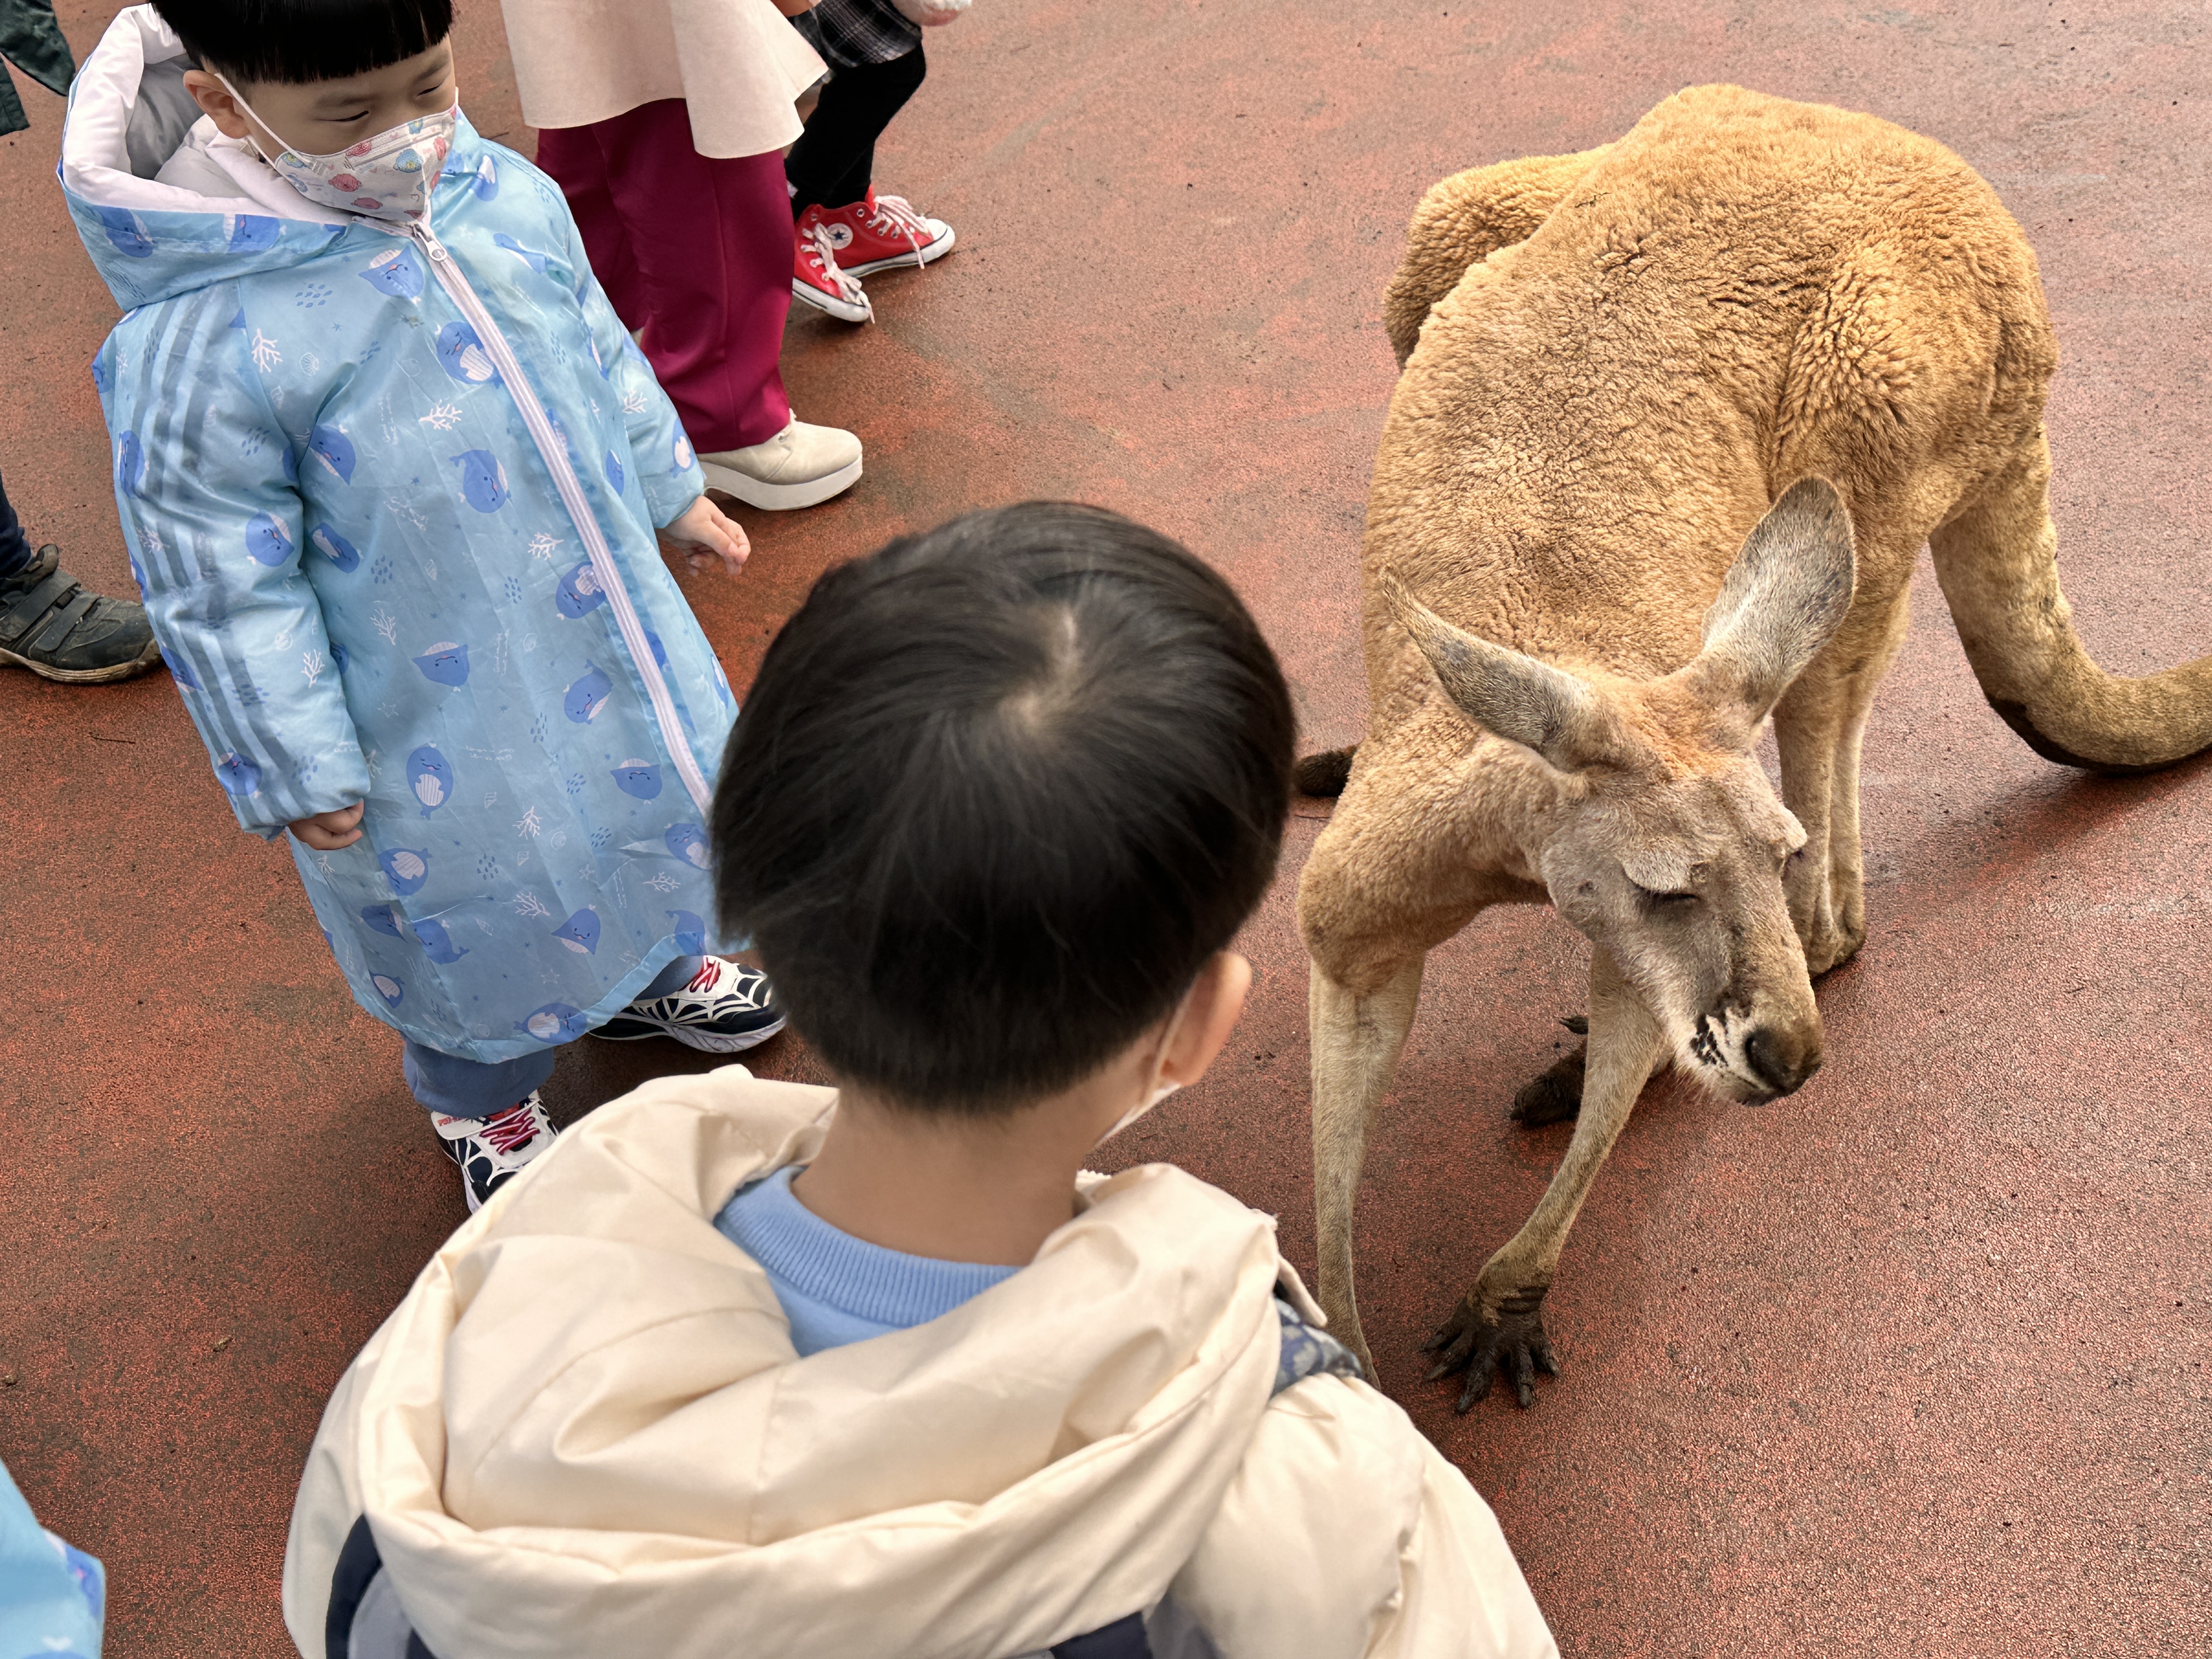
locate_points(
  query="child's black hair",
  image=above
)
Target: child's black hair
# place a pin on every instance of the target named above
(297, 41)
(998, 792)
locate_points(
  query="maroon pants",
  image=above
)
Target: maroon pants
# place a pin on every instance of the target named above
(694, 251)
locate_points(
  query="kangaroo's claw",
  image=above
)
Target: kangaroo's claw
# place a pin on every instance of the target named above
(1480, 1342)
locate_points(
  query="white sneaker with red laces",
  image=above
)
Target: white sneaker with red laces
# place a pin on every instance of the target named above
(725, 1009)
(492, 1151)
(818, 280)
(879, 232)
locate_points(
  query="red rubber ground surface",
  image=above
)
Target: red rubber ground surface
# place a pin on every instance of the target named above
(1913, 1363)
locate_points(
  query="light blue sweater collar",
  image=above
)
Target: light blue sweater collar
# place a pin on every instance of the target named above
(833, 1287)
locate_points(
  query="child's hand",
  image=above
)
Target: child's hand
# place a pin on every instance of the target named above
(705, 529)
(328, 831)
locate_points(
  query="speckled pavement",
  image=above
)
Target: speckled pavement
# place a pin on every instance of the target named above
(1913, 1363)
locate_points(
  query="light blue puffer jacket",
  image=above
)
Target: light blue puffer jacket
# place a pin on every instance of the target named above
(394, 525)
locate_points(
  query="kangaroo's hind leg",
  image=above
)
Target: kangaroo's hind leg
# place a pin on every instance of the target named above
(1464, 219)
(1818, 726)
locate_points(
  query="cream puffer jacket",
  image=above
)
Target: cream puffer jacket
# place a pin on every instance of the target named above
(585, 1432)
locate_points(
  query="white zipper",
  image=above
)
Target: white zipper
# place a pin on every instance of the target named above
(555, 455)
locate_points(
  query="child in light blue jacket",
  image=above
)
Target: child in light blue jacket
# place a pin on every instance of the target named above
(52, 1598)
(390, 471)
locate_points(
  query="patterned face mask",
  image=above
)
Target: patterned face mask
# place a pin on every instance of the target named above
(389, 176)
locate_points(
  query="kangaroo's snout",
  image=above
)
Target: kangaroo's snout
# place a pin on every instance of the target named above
(1783, 1061)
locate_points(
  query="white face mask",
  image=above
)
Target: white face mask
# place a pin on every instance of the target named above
(1154, 1098)
(1157, 1091)
(387, 177)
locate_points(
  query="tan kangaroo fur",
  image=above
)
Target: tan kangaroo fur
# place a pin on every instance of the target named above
(1676, 415)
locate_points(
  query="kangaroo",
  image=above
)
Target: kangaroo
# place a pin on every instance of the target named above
(1675, 415)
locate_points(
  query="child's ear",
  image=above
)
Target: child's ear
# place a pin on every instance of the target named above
(214, 99)
(1209, 1014)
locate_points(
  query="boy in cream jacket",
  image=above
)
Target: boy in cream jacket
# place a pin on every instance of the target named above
(746, 1368)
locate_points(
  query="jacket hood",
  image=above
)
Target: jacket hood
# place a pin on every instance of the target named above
(128, 114)
(585, 1427)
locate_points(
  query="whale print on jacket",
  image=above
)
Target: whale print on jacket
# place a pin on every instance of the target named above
(613, 468)
(389, 988)
(580, 932)
(437, 944)
(587, 695)
(129, 464)
(123, 230)
(689, 931)
(253, 233)
(267, 542)
(483, 480)
(637, 778)
(328, 445)
(463, 357)
(406, 868)
(430, 778)
(240, 775)
(556, 1021)
(529, 256)
(396, 271)
(179, 669)
(689, 843)
(681, 455)
(445, 663)
(484, 181)
(384, 918)
(580, 592)
(335, 547)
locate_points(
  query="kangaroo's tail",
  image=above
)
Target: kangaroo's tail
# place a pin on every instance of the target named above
(1997, 561)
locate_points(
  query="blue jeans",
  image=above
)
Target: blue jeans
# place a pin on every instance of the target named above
(15, 545)
(478, 1088)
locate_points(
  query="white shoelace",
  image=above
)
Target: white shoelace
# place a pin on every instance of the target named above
(897, 216)
(848, 287)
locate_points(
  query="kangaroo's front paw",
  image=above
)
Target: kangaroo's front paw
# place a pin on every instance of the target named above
(1489, 1330)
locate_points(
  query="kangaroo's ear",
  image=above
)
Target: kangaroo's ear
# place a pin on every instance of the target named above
(1785, 596)
(1526, 701)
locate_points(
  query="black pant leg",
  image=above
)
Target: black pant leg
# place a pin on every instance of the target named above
(833, 161)
(15, 545)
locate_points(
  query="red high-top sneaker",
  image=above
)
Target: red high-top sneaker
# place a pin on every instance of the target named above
(818, 280)
(884, 231)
